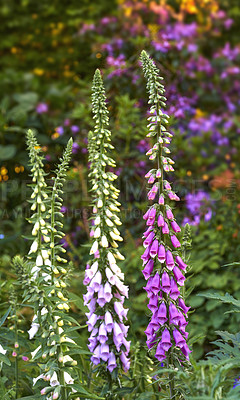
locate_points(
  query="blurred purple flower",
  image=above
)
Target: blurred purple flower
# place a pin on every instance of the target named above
(60, 130)
(74, 128)
(75, 147)
(42, 108)
(198, 206)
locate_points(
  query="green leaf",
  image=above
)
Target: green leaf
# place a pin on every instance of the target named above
(4, 359)
(83, 392)
(3, 319)
(7, 152)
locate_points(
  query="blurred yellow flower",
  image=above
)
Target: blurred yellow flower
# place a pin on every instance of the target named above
(4, 171)
(199, 113)
(55, 135)
(38, 71)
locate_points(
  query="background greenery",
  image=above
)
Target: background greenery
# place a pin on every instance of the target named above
(49, 52)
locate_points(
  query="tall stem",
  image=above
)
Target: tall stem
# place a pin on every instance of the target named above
(16, 358)
(64, 394)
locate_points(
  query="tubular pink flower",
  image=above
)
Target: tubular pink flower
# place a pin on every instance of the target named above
(175, 241)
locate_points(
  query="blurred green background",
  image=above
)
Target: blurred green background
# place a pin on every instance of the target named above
(49, 51)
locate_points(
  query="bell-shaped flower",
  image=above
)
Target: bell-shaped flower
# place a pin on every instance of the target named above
(162, 314)
(175, 227)
(161, 253)
(96, 356)
(148, 269)
(175, 241)
(104, 352)
(166, 282)
(169, 260)
(180, 263)
(154, 248)
(108, 322)
(179, 340)
(112, 364)
(180, 278)
(174, 316)
(166, 340)
(160, 353)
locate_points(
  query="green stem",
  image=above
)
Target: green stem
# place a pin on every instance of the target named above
(64, 394)
(16, 358)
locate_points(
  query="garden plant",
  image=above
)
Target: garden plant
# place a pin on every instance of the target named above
(119, 261)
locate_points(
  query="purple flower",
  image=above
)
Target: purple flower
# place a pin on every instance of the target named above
(165, 228)
(180, 263)
(175, 241)
(178, 276)
(149, 239)
(154, 248)
(42, 108)
(60, 130)
(175, 227)
(161, 253)
(174, 316)
(153, 303)
(236, 382)
(74, 128)
(174, 292)
(179, 340)
(162, 275)
(112, 362)
(160, 353)
(169, 260)
(162, 314)
(161, 221)
(166, 340)
(108, 322)
(75, 147)
(165, 282)
(148, 269)
(155, 284)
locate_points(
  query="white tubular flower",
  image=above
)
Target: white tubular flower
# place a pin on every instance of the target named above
(119, 256)
(113, 208)
(97, 220)
(99, 204)
(104, 241)
(33, 353)
(117, 271)
(68, 359)
(109, 213)
(109, 222)
(39, 261)
(33, 247)
(94, 268)
(114, 244)
(97, 233)
(110, 276)
(116, 231)
(114, 236)
(111, 258)
(94, 248)
(45, 254)
(33, 206)
(2, 350)
(68, 379)
(33, 330)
